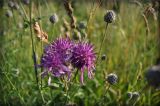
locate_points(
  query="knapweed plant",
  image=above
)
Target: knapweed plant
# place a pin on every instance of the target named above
(79, 53)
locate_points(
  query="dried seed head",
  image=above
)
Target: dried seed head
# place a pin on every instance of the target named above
(54, 18)
(40, 34)
(153, 76)
(112, 78)
(110, 16)
(103, 57)
(129, 95)
(135, 96)
(26, 2)
(9, 13)
(10, 4)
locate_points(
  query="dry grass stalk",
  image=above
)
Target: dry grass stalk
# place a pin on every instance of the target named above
(40, 34)
(146, 24)
(69, 10)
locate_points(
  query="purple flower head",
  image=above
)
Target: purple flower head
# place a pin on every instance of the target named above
(83, 57)
(55, 57)
(63, 47)
(53, 64)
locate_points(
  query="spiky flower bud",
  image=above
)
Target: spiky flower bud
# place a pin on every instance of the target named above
(54, 18)
(103, 57)
(110, 16)
(9, 13)
(112, 78)
(153, 76)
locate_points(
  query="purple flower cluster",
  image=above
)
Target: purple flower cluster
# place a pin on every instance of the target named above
(64, 52)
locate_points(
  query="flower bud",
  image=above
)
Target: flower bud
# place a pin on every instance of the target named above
(135, 95)
(54, 18)
(110, 16)
(112, 78)
(103, 57)
(129, 95)
(82, 25)
(153, 76)
(26, 2)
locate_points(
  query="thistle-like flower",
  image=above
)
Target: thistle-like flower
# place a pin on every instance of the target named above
(53, 64)
(55, 57)
(112, 78)
(54, 18)
(63, 47)
(83, 57)
(110, 16)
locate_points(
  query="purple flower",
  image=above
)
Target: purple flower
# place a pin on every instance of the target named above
(63, 47)
(55, 57)
(83, 57)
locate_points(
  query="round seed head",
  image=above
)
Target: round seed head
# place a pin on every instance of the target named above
(129, 95)
(110, 16)
(153, 76)
(103, 57)
(26, 2)
(135, 95)
(112, 78)
(9, 13)
(82, 25)
(53, 19)
(10, 4)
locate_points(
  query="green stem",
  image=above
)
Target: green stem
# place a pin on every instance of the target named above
(70, 85)
(104, 37)
(32, 41)
(14, 87)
